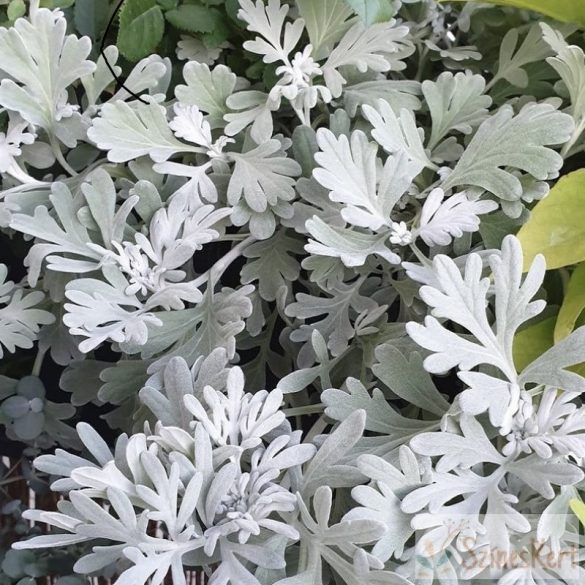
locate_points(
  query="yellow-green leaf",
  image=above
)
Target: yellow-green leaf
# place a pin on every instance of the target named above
(563, 10)
(573, 304)
(578, 508)
(556, 227)
(532, 342)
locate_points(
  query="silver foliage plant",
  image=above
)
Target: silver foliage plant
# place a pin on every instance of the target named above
(365, 207)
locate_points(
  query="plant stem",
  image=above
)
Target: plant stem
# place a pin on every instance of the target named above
(20, 175)
(422, 59)
(60, 158)
(213, 274)
(38, 362)
(319, 426)
(419, 255)
(308, 409)
(12, 480)
(234, 237)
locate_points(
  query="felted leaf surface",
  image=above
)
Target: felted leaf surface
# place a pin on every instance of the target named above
(208, 89)
(456, 102)
(128, 132)
(40, 62)
(325, 21)
(519, 141)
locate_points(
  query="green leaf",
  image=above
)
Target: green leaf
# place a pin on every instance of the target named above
(52, 4)
(168, 4)
(304, 148)
(193, 18)
(533, 341)
(573, 304)
(563, 10)
(91, 17)
(141, 28)
(371, 11)
(219, 35)
(495, 227)
(556, 227)
(16, 9)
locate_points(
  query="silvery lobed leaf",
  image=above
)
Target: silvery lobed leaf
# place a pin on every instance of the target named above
(236, 418)
(398, 133)
(128, 132)
(380, 500)
(262, 177)
(150, 74)
(165, 391)
(542, 475)
(103, 312)
(42, 62)
(335, 544)
(70, 237)
(400, 94)
(380, 416)
(486, 393)
(272, 263)
(17, 134)
(569, 63)
(251, 108)
(463, 451)
(406, 377)
(326, 467)
(96, 82)
(379, 47)
(208, 89)
(456, 102)
(20, 320)
(348, 169)
(58, 242)
(518, 141)
(268, 20)
(196, 332)
(335, 314)
(326, 22)
(463, 298)
(550, 367)
(192, 49)
(443, 220)
(352, 247)
(514, 58)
